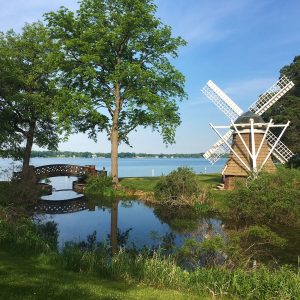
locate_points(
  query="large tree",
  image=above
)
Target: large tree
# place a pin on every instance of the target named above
(288, 107)
(118, 55)
(27, 93)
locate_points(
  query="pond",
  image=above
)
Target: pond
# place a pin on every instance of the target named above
(142, 224)
(135, 224)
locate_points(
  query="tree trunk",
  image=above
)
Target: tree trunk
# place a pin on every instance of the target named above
(114, 155)
(114, 137)
(27, 152)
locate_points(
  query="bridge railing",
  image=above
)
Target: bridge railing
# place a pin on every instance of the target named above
(59, 170)
(56, 170)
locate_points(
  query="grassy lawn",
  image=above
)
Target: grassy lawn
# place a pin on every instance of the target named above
(147, 184)
(34, 277)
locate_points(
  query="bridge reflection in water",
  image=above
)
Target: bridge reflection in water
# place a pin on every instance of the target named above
(77, 204)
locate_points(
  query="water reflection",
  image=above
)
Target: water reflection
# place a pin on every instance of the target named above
(126, 223)
(122, 222)
(114, 227)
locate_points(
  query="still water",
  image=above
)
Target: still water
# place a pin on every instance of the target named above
(145, 225)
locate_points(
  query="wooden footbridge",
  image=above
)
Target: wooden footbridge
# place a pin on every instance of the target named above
(43, 172)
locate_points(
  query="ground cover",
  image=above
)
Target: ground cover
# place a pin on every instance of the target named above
(147, 184)
(24, 276)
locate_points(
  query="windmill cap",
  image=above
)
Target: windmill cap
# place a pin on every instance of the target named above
(245, 118)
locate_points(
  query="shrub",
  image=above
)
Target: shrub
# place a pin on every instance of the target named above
(99, 185)
(180, 187)
(19, 193)
(238, 249)
(271, 198)
(24, 235)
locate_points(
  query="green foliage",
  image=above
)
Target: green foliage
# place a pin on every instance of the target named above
(119, 49)
(146, 268)
(271, 198)
(99, 186)
(180, 187)
(162, 272)
(253, 243)
(288, 107)
(20, 195)
(206, 253)
(28, 93)
(87, 154)
(239, 249)
(25, 235)
(181, 219)
(117, 57)
(29, 277)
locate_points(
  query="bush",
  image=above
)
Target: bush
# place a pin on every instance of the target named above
(180, 187)
(271, 198)
(19, 193)
(99, 185)
(24, 235)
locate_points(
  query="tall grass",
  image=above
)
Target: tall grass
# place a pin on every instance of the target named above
(162, 272)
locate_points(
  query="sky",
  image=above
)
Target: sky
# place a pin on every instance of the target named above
(239, 44)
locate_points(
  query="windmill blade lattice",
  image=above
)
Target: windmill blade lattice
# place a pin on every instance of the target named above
(221, 100)
(281, 151)
(272, 95)
(218, 149)
(229, 108)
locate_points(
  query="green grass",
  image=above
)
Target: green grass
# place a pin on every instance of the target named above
(147, 184)
(34, 277)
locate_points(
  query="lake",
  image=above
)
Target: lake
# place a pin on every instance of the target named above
(128, 167)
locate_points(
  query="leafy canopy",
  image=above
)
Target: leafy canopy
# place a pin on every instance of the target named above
(118, 55)
(27, 90)
(288, 107)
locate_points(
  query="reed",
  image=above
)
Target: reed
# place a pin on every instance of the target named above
(159, 271)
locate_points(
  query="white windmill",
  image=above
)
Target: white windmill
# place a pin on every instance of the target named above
(249, 124)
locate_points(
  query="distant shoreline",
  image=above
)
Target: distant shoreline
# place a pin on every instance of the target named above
(73, 154)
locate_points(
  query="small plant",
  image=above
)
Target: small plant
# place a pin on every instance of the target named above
(180, 187)
(99, 185)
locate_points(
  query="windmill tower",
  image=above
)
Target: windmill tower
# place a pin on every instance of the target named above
(249, 138)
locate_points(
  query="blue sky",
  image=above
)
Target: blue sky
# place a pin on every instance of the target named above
(239, 44)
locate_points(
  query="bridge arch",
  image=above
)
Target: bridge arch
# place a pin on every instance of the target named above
(56, 170)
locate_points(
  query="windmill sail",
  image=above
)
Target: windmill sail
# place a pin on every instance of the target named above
(265, 101)
(275, 92)
(229, 108)
(281, 151)
(218, 149)
(221, 100)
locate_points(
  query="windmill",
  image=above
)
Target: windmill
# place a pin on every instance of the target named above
(247, 131)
